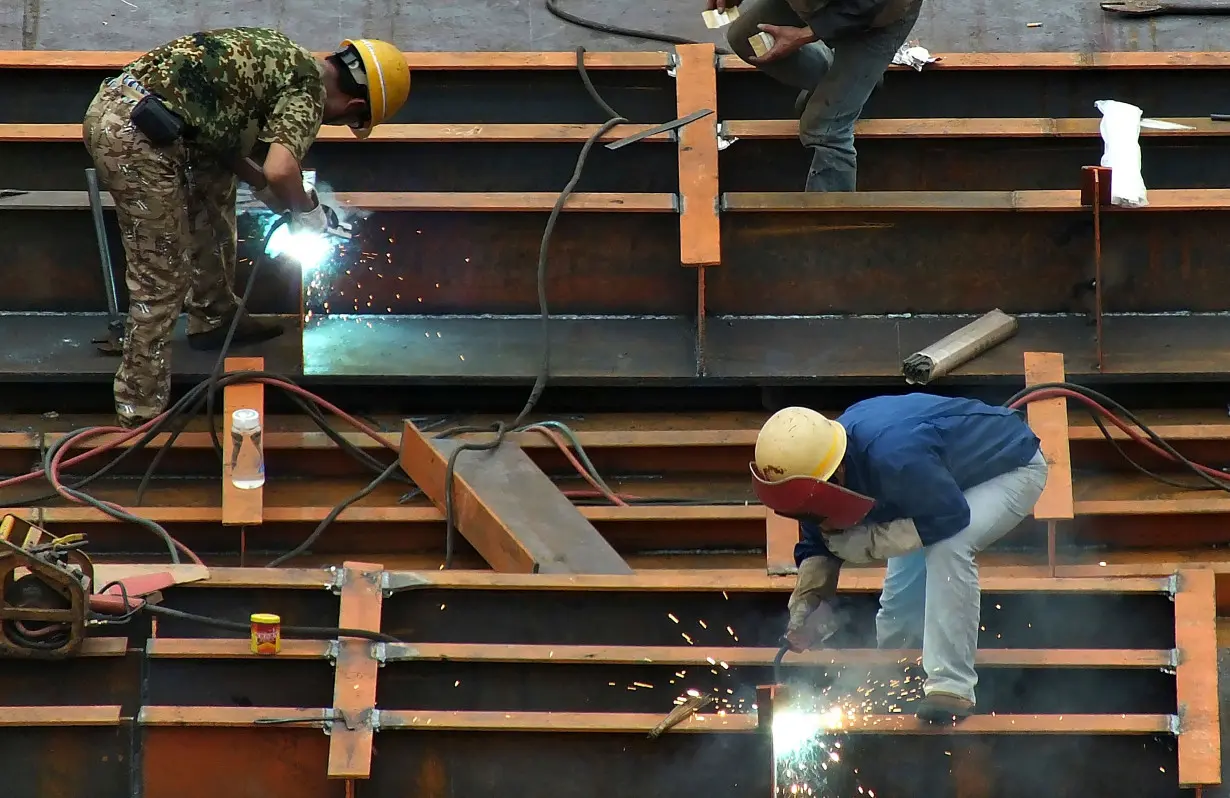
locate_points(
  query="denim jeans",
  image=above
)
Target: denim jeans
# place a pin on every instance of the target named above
(931, 596)
(841, 77)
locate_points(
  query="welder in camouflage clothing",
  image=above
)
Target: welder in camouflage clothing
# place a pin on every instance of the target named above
(170, 135)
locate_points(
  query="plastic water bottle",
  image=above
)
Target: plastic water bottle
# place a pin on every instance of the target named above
(247, 465)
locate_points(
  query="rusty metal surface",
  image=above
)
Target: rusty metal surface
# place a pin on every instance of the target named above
(993, 93)
(966, 262)
(962, 164)
(514, 96)
(267, 682)
(459, 165)
(497, 349)
(872, 348)
(552, 687)
(82, 681)
(66, 762)
(56, 346)
(238, 763)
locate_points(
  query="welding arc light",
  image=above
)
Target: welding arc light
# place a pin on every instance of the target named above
(307, 248)
(794, 729)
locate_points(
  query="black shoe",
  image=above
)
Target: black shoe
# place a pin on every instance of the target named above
(249, 331)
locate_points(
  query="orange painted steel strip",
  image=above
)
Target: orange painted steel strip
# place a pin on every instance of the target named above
(751, 657)
(756, 581)
(241, 507)
(221, 648)
(478, 133)
(1195, 613)
(1050, 61)
(781, 533)
(700, 235)
(958, 128)
(60, 716)
(354, 686)
(91, 59)
(874, 724)
(115, 59)
(960, 201)
(1049, 421)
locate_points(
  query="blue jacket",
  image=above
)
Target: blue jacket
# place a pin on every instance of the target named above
(917, 454)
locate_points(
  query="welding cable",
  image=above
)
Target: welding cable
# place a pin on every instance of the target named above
(305, 632)
(615, 30)
(51, 465)
(777, 663)
(1100, 405)
(500, 429)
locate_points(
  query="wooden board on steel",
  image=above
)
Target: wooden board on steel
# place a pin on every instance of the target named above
(241, 507)
(508, 509)
(1049, 421)
(781, 533)
(700, 237)
(354, 684)
(1195, 630)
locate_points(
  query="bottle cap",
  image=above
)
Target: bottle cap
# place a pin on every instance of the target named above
(245, 420)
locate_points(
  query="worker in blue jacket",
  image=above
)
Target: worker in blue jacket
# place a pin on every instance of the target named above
(949, 477)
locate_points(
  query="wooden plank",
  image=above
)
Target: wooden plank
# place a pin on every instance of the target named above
(951, 201)
(354, 685)
(750, 657)
(221, 648)
(508, 509)
(700, 234)
(874, 724)
(1049, 61)
(60, 716)
(241, 507)
(476, 133)
(115, 59)
(781, 533)
(1195, 612)
(1049, 421)
(406, 201)
(959, 128)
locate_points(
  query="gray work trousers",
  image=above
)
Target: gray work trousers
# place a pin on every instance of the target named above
(841, 78)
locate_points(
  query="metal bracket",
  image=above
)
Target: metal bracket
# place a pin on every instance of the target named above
(333, 651)
(394, 581)
(326, 720)
(378, 652)
(337, 579)
(672, 65)
(1173, 586)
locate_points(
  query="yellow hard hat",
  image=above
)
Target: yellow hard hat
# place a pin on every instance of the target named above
(388, 80)
(798, 442)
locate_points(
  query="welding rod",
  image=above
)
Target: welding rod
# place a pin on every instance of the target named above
(104, 251)
(958, 348)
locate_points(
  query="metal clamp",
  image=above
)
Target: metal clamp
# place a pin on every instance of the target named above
(336, 581)
(393, 581)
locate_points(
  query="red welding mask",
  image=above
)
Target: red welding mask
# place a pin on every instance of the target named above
(810, 499)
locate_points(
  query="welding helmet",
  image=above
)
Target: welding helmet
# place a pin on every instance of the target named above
(381, 69)
(797, 451)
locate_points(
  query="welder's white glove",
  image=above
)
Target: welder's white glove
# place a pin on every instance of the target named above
(817, 584)
(266, 196)
(315, 220)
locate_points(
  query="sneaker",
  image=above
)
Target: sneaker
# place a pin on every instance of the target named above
(944, 708)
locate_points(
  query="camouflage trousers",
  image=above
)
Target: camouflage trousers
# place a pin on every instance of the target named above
(176, 215)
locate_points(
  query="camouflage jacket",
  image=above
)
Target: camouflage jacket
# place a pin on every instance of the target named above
(236, 85)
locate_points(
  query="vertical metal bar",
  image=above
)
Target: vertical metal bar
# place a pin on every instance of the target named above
(702, 367)
(1097, 262)
(1051, 535)
(104, 252)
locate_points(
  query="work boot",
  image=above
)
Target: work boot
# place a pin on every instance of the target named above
(944, 708)
(249, 331)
